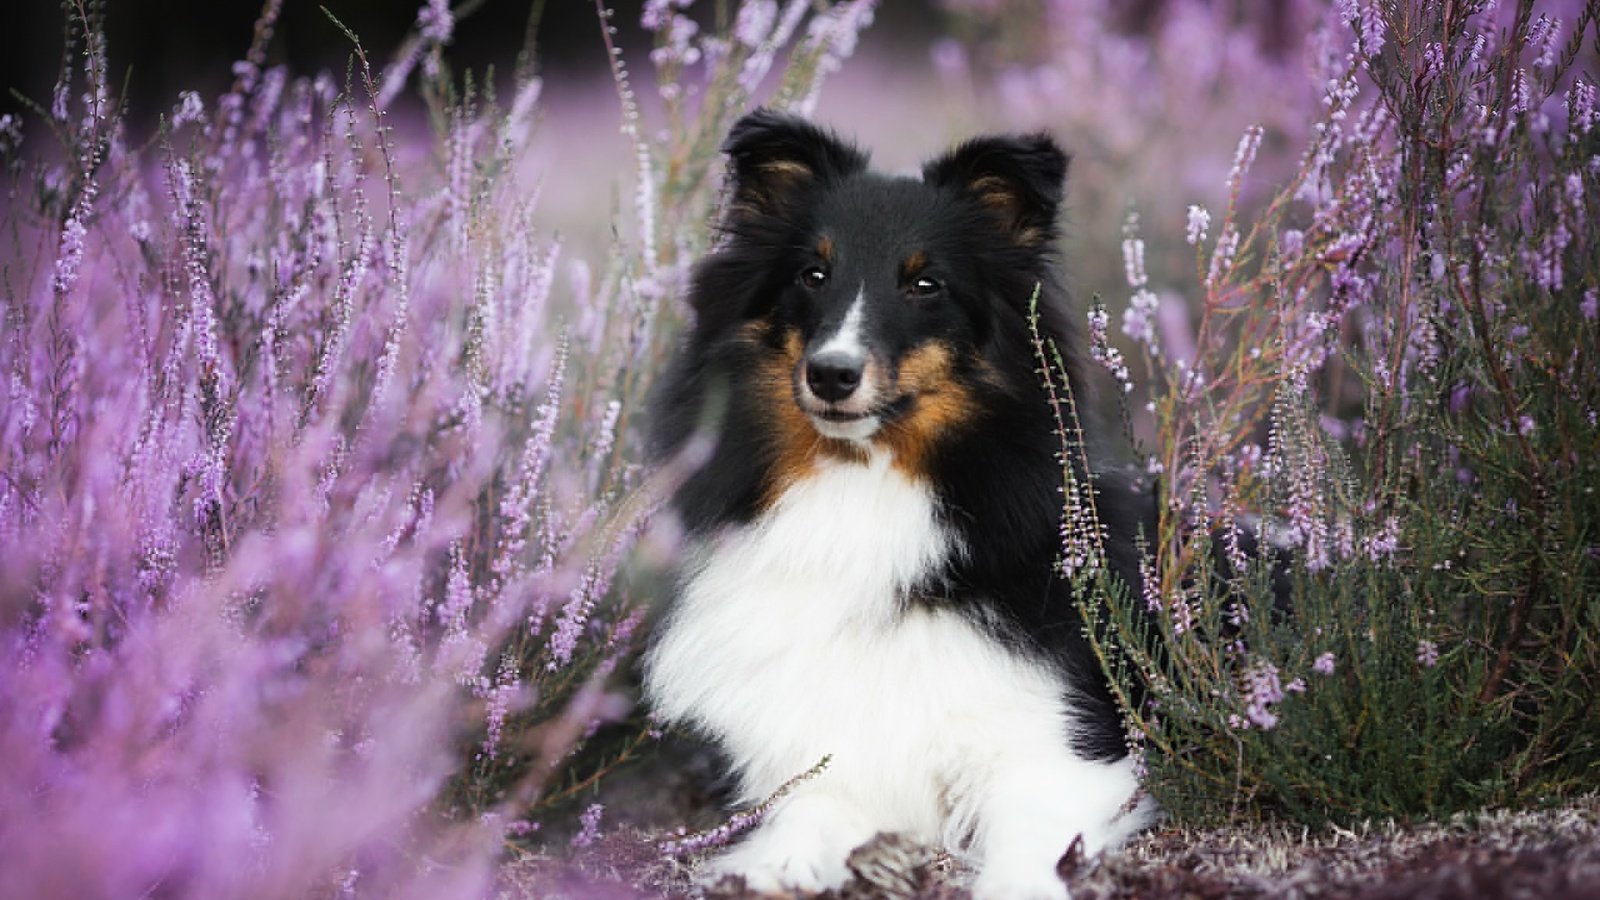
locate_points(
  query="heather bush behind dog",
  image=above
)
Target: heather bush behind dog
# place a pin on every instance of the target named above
(1394, 367)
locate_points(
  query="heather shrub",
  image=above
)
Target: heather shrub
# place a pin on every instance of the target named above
(322, 529)
(1393, 372)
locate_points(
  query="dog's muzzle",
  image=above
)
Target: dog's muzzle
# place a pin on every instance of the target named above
(835, 391)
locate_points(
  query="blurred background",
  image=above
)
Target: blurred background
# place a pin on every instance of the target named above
(165, 46)
(1150, 96)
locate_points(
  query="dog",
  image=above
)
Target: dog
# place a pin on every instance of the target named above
(872, 539)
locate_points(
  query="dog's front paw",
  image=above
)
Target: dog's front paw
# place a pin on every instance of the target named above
(782, 863)
(1019, 884)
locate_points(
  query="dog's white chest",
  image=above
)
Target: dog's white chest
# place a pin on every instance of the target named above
(794, 639)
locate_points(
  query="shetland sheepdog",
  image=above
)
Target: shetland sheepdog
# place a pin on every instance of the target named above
(871, 573)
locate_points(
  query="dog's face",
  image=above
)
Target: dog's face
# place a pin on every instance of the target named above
(881, 306)
(881, 295)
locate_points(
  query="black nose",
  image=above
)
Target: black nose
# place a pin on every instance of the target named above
(834, 376)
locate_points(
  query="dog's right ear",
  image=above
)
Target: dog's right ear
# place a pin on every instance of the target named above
(773, 158)
(1019, 178)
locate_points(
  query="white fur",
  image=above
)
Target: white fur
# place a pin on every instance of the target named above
(858, 430)
(847, 340)
(794, 639)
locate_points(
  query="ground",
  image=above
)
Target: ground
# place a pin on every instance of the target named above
(1547, 854)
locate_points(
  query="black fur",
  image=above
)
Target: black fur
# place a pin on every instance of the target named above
(985, 217)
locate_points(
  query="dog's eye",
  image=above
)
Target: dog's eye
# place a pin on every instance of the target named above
(813, 278)
(926, 287)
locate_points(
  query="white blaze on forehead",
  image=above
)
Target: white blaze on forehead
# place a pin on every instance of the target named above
(847, 340)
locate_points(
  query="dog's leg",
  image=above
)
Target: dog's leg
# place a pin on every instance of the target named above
(1032, 811)
(802, 845)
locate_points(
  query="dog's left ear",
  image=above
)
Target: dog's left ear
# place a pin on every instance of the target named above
(1020, 178)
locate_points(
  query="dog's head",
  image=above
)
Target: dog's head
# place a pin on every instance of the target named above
(886, 297)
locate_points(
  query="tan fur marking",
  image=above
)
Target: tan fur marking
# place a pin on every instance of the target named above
(996, 192)
(825, 248)
(774, 182)
(998, 195)
(785, 168)
(1027, 236)
(913, 264)
(939, 402)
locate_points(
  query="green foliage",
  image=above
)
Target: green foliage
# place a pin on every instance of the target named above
(1399, 368)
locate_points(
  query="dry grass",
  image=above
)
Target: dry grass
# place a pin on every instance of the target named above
(1546, 854)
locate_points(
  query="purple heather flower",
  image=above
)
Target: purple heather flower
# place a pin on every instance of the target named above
(574, 617)
(58, 101)
(1583, 112)
(677, 47)
(1199, 221)
(759, 63)
(1480, 43)
(1344, 537)
(1290, 242)
(190, 109)
(1133, 253)
(1427, 653)
(646, 207)
(658, 14)
(1244, 156)
(1324, 664)
(499, 702)
(1382, 544)
(737, 824)
(1138, 319)
(1082, 541)
(1521, 93)
(1590, 305)
(73, 234)
(836, 32)
(1543, 36)
(1432, 60)
(1366, 19)
(589, 831)
(1262, 690)
(1249, 456)
(10, 135)
(1101, 351)
(1222, 255)
(1182, 613)
(1149, 583)
(753, 24)
(435, 21)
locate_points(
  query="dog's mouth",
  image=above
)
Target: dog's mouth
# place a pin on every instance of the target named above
(838, 415)
(854, 425)
(842, 425)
